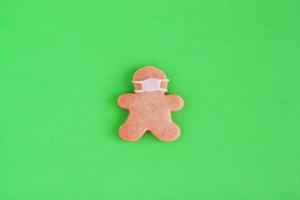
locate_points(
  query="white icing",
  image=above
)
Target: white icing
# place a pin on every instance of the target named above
(151, 85)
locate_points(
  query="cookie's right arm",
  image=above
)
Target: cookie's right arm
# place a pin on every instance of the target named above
(126, 100)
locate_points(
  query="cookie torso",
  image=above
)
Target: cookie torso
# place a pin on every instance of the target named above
(150, 108)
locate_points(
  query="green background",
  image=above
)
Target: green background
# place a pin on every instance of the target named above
(63, 64)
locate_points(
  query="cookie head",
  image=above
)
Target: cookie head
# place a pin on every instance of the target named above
(150, 79)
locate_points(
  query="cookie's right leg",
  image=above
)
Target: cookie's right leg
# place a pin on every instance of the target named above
(131, 131)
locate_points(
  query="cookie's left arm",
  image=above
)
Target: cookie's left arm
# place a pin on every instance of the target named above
(175, 102)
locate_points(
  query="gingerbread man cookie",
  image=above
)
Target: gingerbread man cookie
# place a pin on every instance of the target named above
(149, 107)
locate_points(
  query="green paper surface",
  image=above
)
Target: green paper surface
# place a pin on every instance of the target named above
(64, 63)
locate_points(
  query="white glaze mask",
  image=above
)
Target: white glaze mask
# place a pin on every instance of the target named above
(151, 85)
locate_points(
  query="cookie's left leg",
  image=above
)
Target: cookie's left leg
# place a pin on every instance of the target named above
(166, 131)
